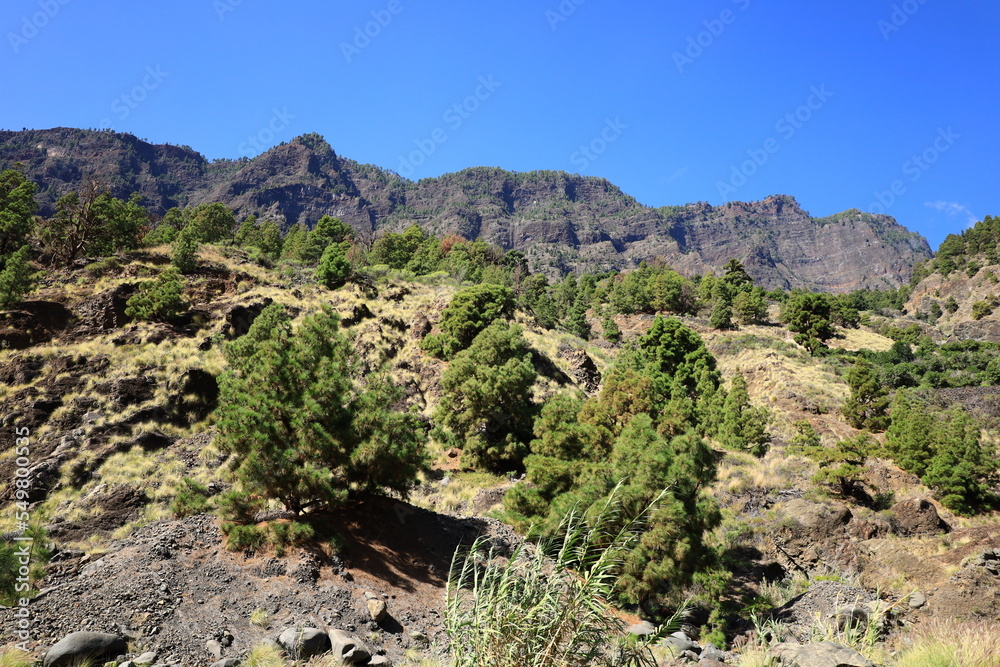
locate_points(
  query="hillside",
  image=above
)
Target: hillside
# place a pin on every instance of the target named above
(562, 222)
(121, 412)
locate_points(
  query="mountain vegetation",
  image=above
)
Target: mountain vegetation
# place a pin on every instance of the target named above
(622, 441)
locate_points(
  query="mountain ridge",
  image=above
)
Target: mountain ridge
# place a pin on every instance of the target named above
(562, 222)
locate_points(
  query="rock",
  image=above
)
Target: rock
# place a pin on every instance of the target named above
(582, 368)
(305, 643)
(81, 646)
(851, 616)
(228, 662)
(380, 660)
(147, 658)
(642, 629)
(917, 600)
(215, 648)
(348, 648)
(821, 654)
(917, 516)
(711, 652)
(377, 609)
(678, 643)
(419, 637)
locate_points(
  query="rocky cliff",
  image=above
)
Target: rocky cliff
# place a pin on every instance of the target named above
(562, 222)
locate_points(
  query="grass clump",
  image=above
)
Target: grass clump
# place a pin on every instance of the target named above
(546, 605)
(951, 643)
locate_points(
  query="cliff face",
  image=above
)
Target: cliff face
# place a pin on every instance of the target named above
(562, 222)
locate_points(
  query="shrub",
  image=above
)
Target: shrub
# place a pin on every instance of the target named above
(161, 299)
(240, 537)
(191, 499)
(185, 251)
(16, 278)
(471, 310)
(546, 606)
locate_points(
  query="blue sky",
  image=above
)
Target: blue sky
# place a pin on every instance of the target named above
(880, 105)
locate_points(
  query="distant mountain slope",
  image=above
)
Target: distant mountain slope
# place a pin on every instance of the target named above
(562, 222)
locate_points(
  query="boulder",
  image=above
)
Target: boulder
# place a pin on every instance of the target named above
(228, 662)
(917, 600)
(820, 654)
(348, 648)
(917, 516)
(147, 658)
(81, 646)
(377, 609)
(305, 643)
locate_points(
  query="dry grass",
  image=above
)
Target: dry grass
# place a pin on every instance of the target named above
(457, 495)
(778, 470)
(950, 643)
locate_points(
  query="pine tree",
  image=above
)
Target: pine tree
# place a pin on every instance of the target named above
(334, 269)
(298, 428)
(807, 315)
(743, 427)
(868, 403)
(185, 251)
(722, 311)
(471, 310)
(486, 399)
(16, 277)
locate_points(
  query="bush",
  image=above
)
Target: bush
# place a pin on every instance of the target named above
(191, 499)
(471, 310)
(16, 278)
(546, 606)
(185, 251)
(298, 428)
(161, 299)
(240, 537)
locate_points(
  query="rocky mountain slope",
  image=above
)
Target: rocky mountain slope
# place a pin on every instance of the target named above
(120, 414)
(562, 222)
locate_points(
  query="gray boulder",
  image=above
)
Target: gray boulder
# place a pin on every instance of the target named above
(305, 643)
(348, 648)
(228, 662)
(81, 646)
(820, 654)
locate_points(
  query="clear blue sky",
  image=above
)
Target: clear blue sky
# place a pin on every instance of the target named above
(670, 99)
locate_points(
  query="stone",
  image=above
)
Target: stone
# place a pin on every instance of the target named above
(642, 629)
(917, 516)
(419, 637)
(215, 648)
(820, 654)
(81, 646)
(711, 652)
(348, 648)
(377, 609)
(380, 660)
(305, 643)
(917, 600)
(851, 616)
(228, 662)
(147, 658)
(678, 643)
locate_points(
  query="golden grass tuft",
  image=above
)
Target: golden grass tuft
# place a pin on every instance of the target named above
(951, 643)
